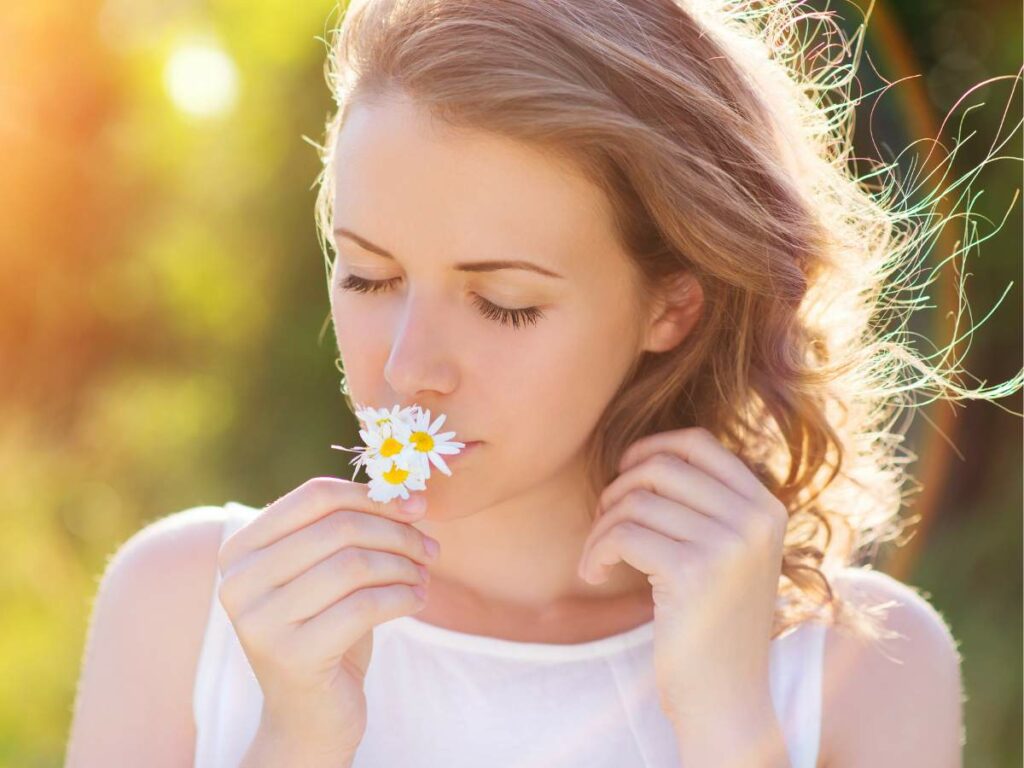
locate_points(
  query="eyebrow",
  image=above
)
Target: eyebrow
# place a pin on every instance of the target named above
(465, 266)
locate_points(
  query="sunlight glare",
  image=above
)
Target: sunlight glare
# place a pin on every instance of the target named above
(201, 79)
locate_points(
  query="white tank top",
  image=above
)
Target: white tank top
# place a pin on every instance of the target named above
(436, 697)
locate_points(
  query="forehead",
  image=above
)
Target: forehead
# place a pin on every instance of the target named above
(403, 176)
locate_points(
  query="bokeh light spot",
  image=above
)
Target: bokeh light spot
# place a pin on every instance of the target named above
(201, 79)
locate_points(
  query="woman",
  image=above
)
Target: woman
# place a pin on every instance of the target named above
(616, 243)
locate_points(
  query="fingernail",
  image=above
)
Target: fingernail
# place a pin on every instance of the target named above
(413, 505)
(420, 590)
(432, 546)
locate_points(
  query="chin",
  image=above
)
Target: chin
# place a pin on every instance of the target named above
(448, 498)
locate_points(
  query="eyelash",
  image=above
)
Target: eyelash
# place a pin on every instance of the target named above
(513, 317)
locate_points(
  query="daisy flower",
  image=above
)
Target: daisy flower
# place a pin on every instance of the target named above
(390, 478)
(428, 445)
(379, 425)
(399, 446)
(381, 419)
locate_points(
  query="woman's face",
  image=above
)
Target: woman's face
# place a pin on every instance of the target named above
(524, 358)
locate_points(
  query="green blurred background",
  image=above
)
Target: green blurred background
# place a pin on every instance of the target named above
(163, 307)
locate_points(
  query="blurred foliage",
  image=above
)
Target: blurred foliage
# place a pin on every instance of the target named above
(162, 297)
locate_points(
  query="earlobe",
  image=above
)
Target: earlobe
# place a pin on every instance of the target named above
(676, 313)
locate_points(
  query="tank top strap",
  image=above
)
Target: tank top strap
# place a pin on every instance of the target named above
(797, 689)
(213, 654)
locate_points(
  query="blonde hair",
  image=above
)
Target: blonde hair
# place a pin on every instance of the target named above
(722, 140)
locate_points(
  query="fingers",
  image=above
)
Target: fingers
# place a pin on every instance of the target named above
(699, 447)
(655, 512)
(647, 551)
(338, 576)
(330, 633)
(668, 475)
(298, 508)
(278, 564)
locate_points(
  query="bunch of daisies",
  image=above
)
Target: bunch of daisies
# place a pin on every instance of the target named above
(400, 446)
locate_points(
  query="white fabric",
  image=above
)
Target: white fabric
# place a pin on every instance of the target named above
(438, 697)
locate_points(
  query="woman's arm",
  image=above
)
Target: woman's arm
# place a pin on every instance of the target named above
(134, 700)
(897, 701)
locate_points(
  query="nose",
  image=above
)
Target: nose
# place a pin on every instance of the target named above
(419, 360)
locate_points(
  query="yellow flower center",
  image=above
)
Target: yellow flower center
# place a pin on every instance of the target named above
(390, 447)
(423, 441)
(396, 475)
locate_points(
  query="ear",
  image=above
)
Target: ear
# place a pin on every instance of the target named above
(675, 312)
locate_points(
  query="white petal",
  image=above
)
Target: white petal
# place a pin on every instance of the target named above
(439, 462)
(419, 467)
(379, 492)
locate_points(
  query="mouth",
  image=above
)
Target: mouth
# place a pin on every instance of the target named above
(469, 448)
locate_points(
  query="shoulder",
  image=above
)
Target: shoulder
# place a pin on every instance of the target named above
(146, 629)
(162, 577)
(894, 700)
(168, 566)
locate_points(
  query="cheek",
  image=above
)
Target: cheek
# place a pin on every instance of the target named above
(362, 357)
(581, 377)
(550, 393)
(341, 320)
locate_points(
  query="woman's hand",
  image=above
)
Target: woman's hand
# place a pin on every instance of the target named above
(691, 515)
(304, 583)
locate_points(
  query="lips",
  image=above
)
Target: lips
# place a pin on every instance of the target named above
(470, 447)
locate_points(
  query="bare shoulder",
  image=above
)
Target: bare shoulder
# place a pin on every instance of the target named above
(896, 700)
(133, 703)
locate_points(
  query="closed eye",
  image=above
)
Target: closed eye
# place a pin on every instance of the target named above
(503, 315)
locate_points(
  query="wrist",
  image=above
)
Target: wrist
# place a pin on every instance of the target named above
(273, 749)
(740, 735)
